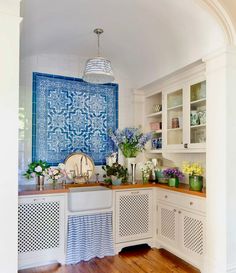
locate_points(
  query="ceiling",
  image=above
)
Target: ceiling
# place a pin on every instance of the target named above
(144, 39)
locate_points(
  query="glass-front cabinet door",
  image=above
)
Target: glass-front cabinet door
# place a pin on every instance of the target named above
(174, 119)
(197, 131)
(184, 114)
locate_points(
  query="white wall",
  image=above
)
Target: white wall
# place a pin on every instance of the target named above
(9, 79)
(58, 65)
(221, 158)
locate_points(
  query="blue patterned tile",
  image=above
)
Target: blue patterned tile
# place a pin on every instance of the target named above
(72, 115)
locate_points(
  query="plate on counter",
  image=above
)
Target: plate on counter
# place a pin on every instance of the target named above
(79, 164)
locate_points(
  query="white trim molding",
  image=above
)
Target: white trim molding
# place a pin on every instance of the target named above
(224, 20)
(221, 223)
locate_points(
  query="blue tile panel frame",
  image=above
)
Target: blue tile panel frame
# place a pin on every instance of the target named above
(71, 115)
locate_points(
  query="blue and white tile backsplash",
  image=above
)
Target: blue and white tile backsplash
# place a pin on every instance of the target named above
(72, 115)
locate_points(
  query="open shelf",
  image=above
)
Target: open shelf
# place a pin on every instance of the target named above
(154, 151)
(157, 132)
(154, 114)
(174, 129)
(198, 103)
(175, 107)
(197, 126)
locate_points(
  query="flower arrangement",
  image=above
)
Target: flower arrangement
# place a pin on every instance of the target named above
(115, 171)
(146, 168)
(130, 140)
(192, 169)
(173, 173)
(55, 173)
(36, 168)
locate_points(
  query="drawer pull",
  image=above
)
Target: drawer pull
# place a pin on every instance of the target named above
(191, 203)
(166, 196)
(179, 212)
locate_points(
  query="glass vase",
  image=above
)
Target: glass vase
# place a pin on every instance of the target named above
(173, 182)
(145, 178)
(129, 162)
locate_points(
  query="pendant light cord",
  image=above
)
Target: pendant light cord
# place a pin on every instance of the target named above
(98, 31)
(98, 44)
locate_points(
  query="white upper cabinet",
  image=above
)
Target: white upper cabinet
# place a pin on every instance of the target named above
(184, 117)
(173, 107)
(197, 107)
(175, 111)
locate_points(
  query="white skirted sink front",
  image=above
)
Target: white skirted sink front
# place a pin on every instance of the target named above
(89, 198)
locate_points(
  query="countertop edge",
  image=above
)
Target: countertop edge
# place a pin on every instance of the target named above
(25, 190)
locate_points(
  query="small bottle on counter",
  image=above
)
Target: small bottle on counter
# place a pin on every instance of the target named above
(97, 175)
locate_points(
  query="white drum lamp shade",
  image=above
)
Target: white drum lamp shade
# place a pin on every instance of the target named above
(98, 70)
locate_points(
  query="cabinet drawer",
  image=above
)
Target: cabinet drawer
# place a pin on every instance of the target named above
(182, 200)
(167, 196)
(194, 203)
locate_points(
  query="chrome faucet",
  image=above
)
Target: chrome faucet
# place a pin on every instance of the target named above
(81, 165)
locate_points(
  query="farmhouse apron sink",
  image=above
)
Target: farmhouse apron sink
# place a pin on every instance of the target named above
(89, 198)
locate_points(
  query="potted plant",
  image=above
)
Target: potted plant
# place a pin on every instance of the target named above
(130, 140)
(173, 175)
(115, 174)
(36, 169)
(195, 171)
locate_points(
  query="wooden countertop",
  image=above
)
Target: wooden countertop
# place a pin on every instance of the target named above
(59, 188)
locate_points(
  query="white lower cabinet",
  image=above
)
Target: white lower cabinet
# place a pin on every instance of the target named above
(181, 225)
(168, 225)
(41, 230)
(133, 219)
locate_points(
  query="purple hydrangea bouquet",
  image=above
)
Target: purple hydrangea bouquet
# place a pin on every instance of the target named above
(173, 173)
(130, 140)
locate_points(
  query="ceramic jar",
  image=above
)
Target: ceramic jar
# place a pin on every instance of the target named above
(194, 118)
(202, 117)
(195, 183)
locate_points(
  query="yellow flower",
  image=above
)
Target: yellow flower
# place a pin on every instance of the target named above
(192, 168)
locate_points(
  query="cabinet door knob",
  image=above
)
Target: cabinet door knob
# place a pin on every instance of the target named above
(191, 203)
(186, 145)
(166, 196)
(179, 211)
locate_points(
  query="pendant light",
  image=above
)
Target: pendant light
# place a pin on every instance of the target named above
(98, 69)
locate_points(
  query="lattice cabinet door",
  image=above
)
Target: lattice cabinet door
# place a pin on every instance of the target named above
(192, 239)
(168, 224)
(134, 215)
(41, 230)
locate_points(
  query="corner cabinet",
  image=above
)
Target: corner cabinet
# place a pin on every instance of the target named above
(184, 115)
(41, 228)
(133, 221)
(175, 111)
(181, 225)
